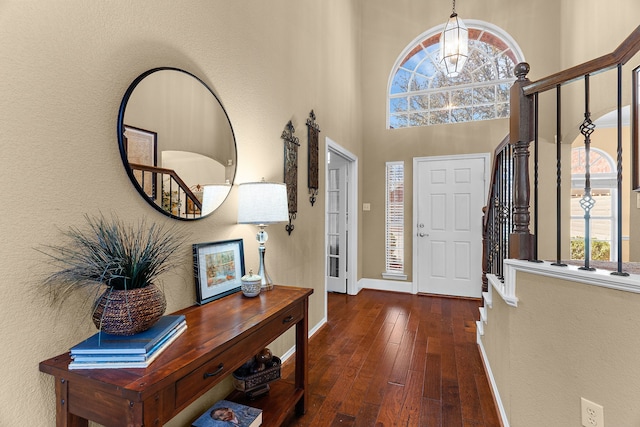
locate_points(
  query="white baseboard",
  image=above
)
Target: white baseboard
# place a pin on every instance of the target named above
(492, 381)
(312, 332)
(479, 328)
(316, 328)
(386, 285)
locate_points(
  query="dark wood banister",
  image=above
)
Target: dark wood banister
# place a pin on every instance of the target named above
(176, 178)
(627, 49)
(490, 195)
(485, 212)
(522, 125)
(521, 134)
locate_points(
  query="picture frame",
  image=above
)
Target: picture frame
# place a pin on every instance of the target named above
(218, 269)
(141, 146)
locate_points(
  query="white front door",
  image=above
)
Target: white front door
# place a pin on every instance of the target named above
(337, 231)
(450, 194)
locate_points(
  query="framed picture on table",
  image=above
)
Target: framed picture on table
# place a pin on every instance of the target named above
(218, 268)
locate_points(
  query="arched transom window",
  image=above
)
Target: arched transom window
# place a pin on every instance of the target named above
(420, 94)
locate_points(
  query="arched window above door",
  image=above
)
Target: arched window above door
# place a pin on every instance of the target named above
(420, 94)
(599, 161)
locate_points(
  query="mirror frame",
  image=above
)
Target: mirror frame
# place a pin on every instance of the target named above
(123, 153)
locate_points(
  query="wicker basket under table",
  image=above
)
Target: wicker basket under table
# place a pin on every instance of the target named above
(250, 382)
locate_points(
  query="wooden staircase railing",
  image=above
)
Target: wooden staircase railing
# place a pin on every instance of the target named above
(174, 195)
(496, 224)
(620, 56)
(523, 131)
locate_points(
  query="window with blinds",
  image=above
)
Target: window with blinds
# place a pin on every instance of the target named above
(394, 219)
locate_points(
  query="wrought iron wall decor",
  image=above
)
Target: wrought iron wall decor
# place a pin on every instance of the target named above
(313, 131)
(635, 128)
(291, 144)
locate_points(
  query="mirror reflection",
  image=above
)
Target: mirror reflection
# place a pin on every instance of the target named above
(177, 143)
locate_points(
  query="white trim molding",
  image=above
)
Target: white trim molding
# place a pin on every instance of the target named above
(492, 381)
(506, 289)
(352, 265)
(488, 298)
(312, 332)
(386, 285)
(603, 278)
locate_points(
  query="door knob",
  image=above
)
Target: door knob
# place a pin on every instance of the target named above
(422, 234)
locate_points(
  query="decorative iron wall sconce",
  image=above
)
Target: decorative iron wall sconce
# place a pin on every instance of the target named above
(635, 128)
(313, 133)
(291, 144)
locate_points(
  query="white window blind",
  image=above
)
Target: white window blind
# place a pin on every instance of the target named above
(394, 218)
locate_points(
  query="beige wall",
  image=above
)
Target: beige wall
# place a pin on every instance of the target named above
(552, 36)
(564, 341)
(66, 64)
(64, 69)
(380, 52)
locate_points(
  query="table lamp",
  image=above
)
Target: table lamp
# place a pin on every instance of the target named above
(262, 203)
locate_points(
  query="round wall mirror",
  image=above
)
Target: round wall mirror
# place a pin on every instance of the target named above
(177, 143)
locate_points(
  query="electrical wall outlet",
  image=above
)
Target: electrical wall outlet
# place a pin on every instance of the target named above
(592, 413)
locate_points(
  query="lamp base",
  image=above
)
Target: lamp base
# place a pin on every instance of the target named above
(265, 283)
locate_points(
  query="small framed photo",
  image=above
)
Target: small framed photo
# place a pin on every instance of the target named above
(218, 267)
(141, 146)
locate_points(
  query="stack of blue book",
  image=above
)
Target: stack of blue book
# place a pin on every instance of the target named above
(105, 351)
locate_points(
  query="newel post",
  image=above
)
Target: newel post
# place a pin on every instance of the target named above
(520, 136)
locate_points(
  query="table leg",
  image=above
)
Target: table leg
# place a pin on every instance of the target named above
(63, 417)
(302, 358)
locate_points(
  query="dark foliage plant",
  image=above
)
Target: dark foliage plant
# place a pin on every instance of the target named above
(108, 252)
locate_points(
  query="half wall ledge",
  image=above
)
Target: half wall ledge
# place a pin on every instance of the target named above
(598, 277)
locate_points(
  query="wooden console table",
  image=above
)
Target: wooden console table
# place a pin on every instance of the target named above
(220, 337)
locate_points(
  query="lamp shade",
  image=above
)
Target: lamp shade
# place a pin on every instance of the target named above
(262, 203)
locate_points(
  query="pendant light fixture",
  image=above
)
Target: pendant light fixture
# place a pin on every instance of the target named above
(454, 45)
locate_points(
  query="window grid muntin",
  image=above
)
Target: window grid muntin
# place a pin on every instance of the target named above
(489, 50)
(500, 107)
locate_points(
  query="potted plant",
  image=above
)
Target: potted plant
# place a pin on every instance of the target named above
(119, 265)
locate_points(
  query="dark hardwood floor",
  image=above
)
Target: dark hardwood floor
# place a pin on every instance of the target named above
(391, 359)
